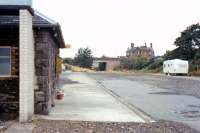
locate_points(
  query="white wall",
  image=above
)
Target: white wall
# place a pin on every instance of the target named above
(27, 66)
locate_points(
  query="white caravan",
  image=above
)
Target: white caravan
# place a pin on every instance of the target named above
(176, 66)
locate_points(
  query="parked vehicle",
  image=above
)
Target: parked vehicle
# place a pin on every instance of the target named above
(176, 67)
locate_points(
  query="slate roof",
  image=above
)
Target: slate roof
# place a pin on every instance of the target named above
(39, 21)
(42, 20)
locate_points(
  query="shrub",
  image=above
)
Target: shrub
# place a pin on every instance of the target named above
(157, 63)
(139, 63)
(133, 63)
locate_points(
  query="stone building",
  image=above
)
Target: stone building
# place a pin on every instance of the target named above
(29, 50)
(105, 63)
(142, 51)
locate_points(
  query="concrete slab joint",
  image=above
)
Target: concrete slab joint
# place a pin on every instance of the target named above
(27, 69)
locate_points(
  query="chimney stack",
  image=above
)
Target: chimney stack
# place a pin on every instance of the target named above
(151, 45)
(145, 44)
(132, 45)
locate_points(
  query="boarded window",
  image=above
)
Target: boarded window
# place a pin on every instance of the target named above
(5, 61)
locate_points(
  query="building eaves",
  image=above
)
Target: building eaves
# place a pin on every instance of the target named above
(39, 21)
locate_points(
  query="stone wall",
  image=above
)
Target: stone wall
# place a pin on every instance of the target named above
(46, 51)
(110, 64)
(33, 68)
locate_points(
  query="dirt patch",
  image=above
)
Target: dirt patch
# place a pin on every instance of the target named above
(44, 126)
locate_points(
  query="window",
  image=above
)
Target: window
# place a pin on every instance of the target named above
(5, 61)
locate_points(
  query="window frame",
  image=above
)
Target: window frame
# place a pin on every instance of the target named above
(10, 72)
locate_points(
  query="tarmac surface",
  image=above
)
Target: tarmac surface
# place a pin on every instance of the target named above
(161, 97)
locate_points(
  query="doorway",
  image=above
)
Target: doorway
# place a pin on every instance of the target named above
(102, 66)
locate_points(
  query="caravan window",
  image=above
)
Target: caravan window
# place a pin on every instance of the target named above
(5, 61)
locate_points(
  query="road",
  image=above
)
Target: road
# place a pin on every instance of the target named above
(161, 97)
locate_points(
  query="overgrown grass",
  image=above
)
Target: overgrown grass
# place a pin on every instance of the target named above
(78, 69)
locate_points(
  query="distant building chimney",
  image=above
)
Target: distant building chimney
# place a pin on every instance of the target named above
(145, 44)
(151, 45)
(132, 45)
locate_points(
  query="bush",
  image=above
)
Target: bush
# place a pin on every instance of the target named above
(192, 67)
(140, 63)
(126, 63)
(155, 64)
(136, 63)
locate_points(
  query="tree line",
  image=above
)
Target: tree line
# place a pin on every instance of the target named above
(187, 48)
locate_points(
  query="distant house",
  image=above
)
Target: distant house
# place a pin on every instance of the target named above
(105, 63)
(29, 52)
(143, 51)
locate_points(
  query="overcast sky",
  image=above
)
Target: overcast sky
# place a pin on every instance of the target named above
(109, 26)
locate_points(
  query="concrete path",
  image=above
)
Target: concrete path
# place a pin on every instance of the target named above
(85, 100)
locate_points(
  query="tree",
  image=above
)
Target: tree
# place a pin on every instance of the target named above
(197, 58)
(68, 61)
(176, 53)
(84, 58)
(189, 41)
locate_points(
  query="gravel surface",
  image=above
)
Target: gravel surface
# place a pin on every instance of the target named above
(44, 126)
(5, 124)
